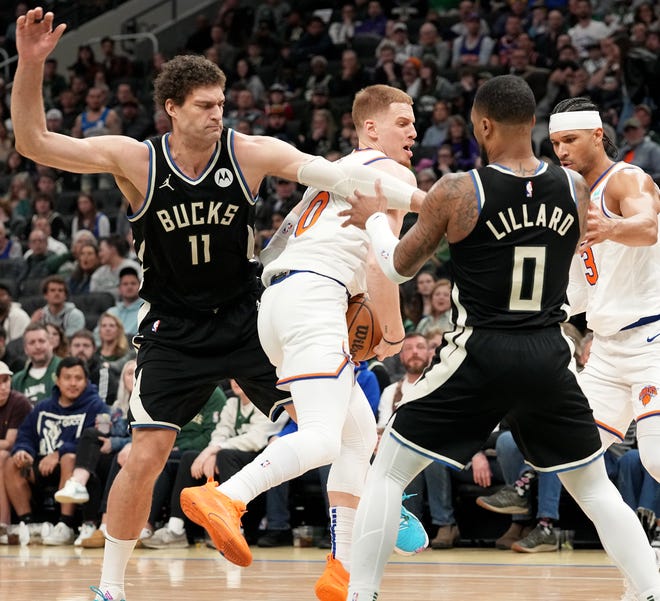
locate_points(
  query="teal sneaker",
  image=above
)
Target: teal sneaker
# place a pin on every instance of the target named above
(412, 536)
(101, 596)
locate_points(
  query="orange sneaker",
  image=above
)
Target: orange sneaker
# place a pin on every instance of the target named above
(221, 517)
(333, 583)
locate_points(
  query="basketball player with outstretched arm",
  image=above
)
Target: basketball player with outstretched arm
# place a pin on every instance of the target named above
(191, 194)
(302, 327)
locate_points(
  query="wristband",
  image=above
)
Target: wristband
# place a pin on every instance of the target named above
(393, 343)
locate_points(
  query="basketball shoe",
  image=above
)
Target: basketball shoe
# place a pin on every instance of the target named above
(333, 583)
(107, 596)
(221, 518)
(412, 537)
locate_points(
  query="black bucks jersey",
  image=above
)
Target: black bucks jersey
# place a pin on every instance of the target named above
(195, 237)
(502, 269)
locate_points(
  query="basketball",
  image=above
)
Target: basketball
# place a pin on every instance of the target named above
(363, 328)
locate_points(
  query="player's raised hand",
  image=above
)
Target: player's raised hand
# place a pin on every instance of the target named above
(363, 207)
(35, 36)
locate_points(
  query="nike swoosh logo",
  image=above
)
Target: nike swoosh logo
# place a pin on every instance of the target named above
(652, 338)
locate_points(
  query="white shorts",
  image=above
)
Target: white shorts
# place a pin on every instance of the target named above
(302, 327)
(622, 378)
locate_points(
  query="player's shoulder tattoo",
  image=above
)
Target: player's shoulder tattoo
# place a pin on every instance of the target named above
(460, 203)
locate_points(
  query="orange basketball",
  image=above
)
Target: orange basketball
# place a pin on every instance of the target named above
(363, 328)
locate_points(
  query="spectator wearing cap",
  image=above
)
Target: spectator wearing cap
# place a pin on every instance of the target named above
(14, 408)
(283, 199)
(55, 121)
(404, 49)
(639, 149)
(644, 115)
(473, 47)
(411, 82)
(466, 11)
(277, 94)
(276, 123)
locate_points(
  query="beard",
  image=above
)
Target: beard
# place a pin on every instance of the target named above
(415, 367)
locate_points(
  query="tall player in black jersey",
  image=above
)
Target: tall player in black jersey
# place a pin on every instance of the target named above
(513, 228)
(191, 194)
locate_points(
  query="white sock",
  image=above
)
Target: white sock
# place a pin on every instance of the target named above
(115, 559)
(176, 525)
(341, 533)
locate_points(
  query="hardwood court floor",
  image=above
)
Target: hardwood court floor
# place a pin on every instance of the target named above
(36, 573)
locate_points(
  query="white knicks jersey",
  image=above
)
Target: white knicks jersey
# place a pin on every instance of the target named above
(319, 243)
(621, 283)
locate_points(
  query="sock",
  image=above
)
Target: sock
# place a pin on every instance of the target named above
(546, 523)
(524, 483)
(176, 525)
(68, 520)
(25, 518)
(115, 559)
(341, 533)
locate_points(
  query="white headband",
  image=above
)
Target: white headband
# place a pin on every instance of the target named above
(574, 120)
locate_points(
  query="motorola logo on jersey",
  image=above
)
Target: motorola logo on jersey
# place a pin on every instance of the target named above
(224, 177)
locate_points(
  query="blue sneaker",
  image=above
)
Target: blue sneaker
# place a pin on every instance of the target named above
(412, 537)
(100, 596)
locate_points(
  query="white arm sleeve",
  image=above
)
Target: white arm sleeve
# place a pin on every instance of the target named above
(278, 242)
(344, 178)
(383, 242)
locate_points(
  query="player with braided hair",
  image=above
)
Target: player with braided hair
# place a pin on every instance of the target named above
(614, 278)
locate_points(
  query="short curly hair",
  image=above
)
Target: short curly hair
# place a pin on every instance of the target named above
(183, 74)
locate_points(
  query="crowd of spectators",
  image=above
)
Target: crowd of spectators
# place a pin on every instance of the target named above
(66, 254)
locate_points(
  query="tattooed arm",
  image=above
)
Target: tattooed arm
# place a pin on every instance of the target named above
(450, 208)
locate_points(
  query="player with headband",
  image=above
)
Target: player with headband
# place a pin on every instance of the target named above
(614, 278)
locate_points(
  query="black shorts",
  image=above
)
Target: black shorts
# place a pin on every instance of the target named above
(182, 358)
(483, 376)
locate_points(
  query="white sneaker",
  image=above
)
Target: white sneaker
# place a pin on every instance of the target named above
(73, 492)
(164, 538)
(60, 534)
(86, 530)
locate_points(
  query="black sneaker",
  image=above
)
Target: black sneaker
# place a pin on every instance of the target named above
(542, 538)
(276, 538)
(506, 500)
